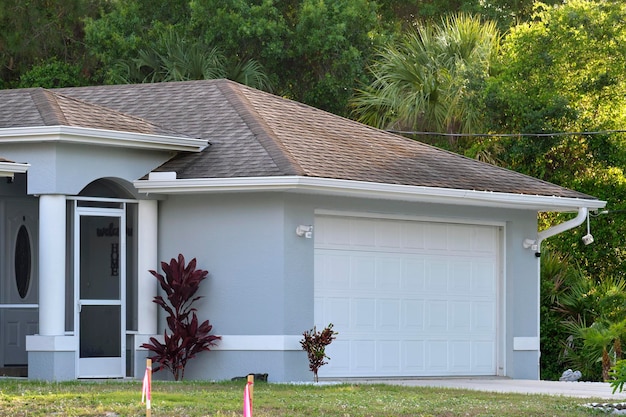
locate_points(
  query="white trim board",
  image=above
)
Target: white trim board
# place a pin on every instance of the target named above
(348, 188)
(102, 137)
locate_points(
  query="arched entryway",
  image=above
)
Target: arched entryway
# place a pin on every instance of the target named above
(102, 277)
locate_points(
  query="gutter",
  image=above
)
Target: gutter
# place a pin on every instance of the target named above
(167, 183)
(535, 245)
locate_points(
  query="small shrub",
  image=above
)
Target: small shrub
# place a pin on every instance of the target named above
(314, 343)
(186, 337)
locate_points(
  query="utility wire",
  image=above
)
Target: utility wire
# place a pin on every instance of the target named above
(601, 132)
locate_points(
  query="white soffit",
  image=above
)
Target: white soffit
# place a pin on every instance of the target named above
(102, 137)
(361, 189)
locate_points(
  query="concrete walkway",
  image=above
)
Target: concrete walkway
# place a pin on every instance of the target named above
(494, 384)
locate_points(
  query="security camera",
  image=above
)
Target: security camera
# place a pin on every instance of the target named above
(588, 239)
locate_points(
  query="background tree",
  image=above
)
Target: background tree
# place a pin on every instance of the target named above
(432, 78)
(505, 13)
(173, 58)
(314, 51)
(35, 32)
(566, 72)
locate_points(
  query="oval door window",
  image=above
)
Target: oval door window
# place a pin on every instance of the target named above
(22, 261)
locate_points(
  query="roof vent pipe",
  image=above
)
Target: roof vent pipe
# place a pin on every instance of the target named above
(583, 212)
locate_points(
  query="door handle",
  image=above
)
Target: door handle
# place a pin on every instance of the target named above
(79, 305)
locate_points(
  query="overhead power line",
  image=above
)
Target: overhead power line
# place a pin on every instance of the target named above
(600, 132)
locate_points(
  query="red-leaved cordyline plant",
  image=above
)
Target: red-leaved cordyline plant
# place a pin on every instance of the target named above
(186, 337)
(314, 343)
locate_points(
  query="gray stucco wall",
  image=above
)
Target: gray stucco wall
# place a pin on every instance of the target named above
(54, 167)
(261, 273)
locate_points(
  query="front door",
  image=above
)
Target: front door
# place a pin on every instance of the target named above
(100, 265)
(19, 284)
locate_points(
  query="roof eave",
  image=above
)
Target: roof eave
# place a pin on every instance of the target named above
(102, 137)
(362, 189)
(9, 169)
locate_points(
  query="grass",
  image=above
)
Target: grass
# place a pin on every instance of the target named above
(21, 398)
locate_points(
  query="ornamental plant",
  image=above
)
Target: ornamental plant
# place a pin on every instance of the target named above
(618, 376)
(314, 343)
(186, 337)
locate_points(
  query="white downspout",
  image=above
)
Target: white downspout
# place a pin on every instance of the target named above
(536, 246)
(562, 227)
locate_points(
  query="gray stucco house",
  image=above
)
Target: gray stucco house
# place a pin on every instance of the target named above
(424, 261)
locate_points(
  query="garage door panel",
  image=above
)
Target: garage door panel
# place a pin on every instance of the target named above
(413, 236)
(460, 278)
(388, 236)
(436, 356)
(408, 298)
(339, 354)
(437, 236)
(363, 315)
(334, 310)
(332, 271)
(333, 231)
(483, 355)
(484, 240)
(364, 272)
(460, 316)
(436, 276)
(483, 317)
(363, 357)
(388, 315)
(388, 357)
(413, 274)
(483, 279)
(362, 233)
(412, 315)
(413, 361)
(436, 316)
(460, 356)
(389, 273)
(460, 238)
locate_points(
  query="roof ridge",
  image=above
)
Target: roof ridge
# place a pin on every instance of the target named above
(257, 125)
(48, 107)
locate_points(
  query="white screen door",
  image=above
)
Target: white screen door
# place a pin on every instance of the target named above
(100, 265)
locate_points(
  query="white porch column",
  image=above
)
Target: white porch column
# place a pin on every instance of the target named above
(52, 241)
(147, 260)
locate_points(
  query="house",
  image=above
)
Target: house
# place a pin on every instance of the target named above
(425, 261)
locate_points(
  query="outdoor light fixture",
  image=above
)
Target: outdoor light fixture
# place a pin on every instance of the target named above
(530, 244)
(304, 231)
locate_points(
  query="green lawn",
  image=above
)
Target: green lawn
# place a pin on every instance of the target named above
(191, 399)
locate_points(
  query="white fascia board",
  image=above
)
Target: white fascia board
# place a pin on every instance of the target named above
(102, 137)
(367, 190)
(7, 169)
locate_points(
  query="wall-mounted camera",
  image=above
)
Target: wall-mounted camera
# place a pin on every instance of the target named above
(588, 239)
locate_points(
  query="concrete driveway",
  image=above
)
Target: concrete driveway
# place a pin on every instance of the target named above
(494, 384)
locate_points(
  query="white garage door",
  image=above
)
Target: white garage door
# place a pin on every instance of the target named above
(408, 298)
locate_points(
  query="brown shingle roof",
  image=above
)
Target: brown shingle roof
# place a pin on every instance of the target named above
(253, 133)
(40, 107)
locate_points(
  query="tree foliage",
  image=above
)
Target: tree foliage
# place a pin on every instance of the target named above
(36, 31)
(431, 80)
(566, 72)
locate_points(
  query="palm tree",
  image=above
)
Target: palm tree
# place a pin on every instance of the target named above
(601, 342)
(175, 58)
(431, 79)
